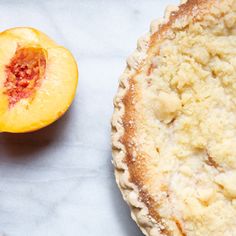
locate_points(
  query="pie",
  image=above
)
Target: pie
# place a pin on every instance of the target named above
(174, 123)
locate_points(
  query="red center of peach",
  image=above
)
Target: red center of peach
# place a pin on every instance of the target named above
(24, 73)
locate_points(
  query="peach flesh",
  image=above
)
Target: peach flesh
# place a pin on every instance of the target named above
(24, 74)
(34, 103)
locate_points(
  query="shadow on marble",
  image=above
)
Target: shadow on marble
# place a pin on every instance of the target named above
(21, 147)
(122, 211)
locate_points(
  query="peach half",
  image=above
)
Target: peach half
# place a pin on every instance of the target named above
(38, 80)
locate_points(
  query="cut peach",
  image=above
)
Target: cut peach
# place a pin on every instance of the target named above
(38, 80)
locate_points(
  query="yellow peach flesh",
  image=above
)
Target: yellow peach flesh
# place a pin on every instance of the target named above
(48, 99)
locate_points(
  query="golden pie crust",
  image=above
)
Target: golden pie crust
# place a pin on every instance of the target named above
(174, 123)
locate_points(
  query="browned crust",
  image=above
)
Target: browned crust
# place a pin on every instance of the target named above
(190, 8)
(137, 169)
(179, 226)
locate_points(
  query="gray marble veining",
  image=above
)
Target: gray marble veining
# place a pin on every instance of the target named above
(59, 181)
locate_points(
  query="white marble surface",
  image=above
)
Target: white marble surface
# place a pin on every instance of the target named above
(59, 181)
